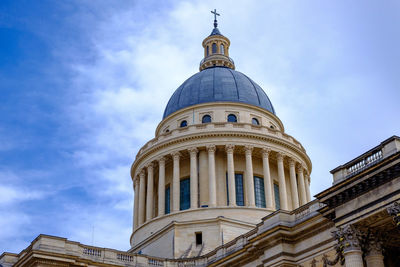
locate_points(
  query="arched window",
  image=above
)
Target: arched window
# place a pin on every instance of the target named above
(206, 119)
(208, 50)
(214, 48)
(183, 124)
(254, 121)
(185, 194)
(259, 192)
(232, 118)
(222, 49)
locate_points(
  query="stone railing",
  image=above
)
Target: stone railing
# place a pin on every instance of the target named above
(370, 158)
(219, 127)
(307, 209)
(365, 162)
(216, 55)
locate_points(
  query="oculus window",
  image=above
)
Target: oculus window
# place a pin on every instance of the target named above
(254, 121)
(232, 118)
(185, 194)
(206, 119)
(259, 192)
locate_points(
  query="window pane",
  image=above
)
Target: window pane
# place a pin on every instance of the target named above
(167, 200)
(214, 48)
(206, 119)
(232, 118)
(239, 189)
(222, 49)
(259, 192)
(183, 123)
(185, 194)
(208, 50)
(227, 190)
(277, 199)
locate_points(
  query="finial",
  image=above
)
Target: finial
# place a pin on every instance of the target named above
(215, 17)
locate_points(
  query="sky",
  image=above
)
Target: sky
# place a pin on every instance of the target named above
(83, 85)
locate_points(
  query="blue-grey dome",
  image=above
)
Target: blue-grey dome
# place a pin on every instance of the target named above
(218, 84)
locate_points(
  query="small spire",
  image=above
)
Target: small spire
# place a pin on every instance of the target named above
(215, 18)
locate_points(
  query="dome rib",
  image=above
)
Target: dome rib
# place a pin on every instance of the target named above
(218, 84)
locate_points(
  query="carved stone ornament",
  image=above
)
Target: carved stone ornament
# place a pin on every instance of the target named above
(229, 148)
(373, 246)
(211, 148)
(348, 238)
(394, 211)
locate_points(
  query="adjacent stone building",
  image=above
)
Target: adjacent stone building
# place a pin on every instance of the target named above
(222, 184)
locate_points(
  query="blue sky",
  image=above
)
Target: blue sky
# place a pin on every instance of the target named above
(84, 84)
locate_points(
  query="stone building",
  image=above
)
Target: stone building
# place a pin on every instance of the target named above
(222, 184)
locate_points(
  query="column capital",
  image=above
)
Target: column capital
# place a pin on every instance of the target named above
(248, 149)
(161, 160)
(142, 173)
(348, 237)
(229, 148)
(211, 148)
(175, 155)
(280, 155)
(373, 246)
(394, 211)
(150, 166)
(300, 168)
(292, 162)
(136, 182)
(193, 151)
(266, 151)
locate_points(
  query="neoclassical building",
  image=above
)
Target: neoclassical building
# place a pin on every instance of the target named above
(219, 162)
(222, 184)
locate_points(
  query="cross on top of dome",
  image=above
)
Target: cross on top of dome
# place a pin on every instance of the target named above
(215, 17)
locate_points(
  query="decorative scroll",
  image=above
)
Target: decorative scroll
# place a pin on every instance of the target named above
(394, 211)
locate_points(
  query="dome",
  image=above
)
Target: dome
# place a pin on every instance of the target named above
(218, 84)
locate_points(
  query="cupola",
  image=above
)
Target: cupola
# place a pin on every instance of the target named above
(216, 49)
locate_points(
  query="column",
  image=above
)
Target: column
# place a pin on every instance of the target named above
(161, 186)
(212, 185)
(231, 174)
(348, 237)
(307, 183)
(374, 257)
(302, 187)
(176, 182)
(249, 177)
(293, 183)
(282, 182)
(150, 186)
(142, 196)
(136, 204)
(193, 178)
(269, 201)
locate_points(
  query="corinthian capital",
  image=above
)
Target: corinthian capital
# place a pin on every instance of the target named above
(292, 162)
(300, 168)
(248, 149)
(176, 155)
(280, 156)
(211, 148)
(266, 151)
(348, 237)
(229, 148)
(193, 151)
